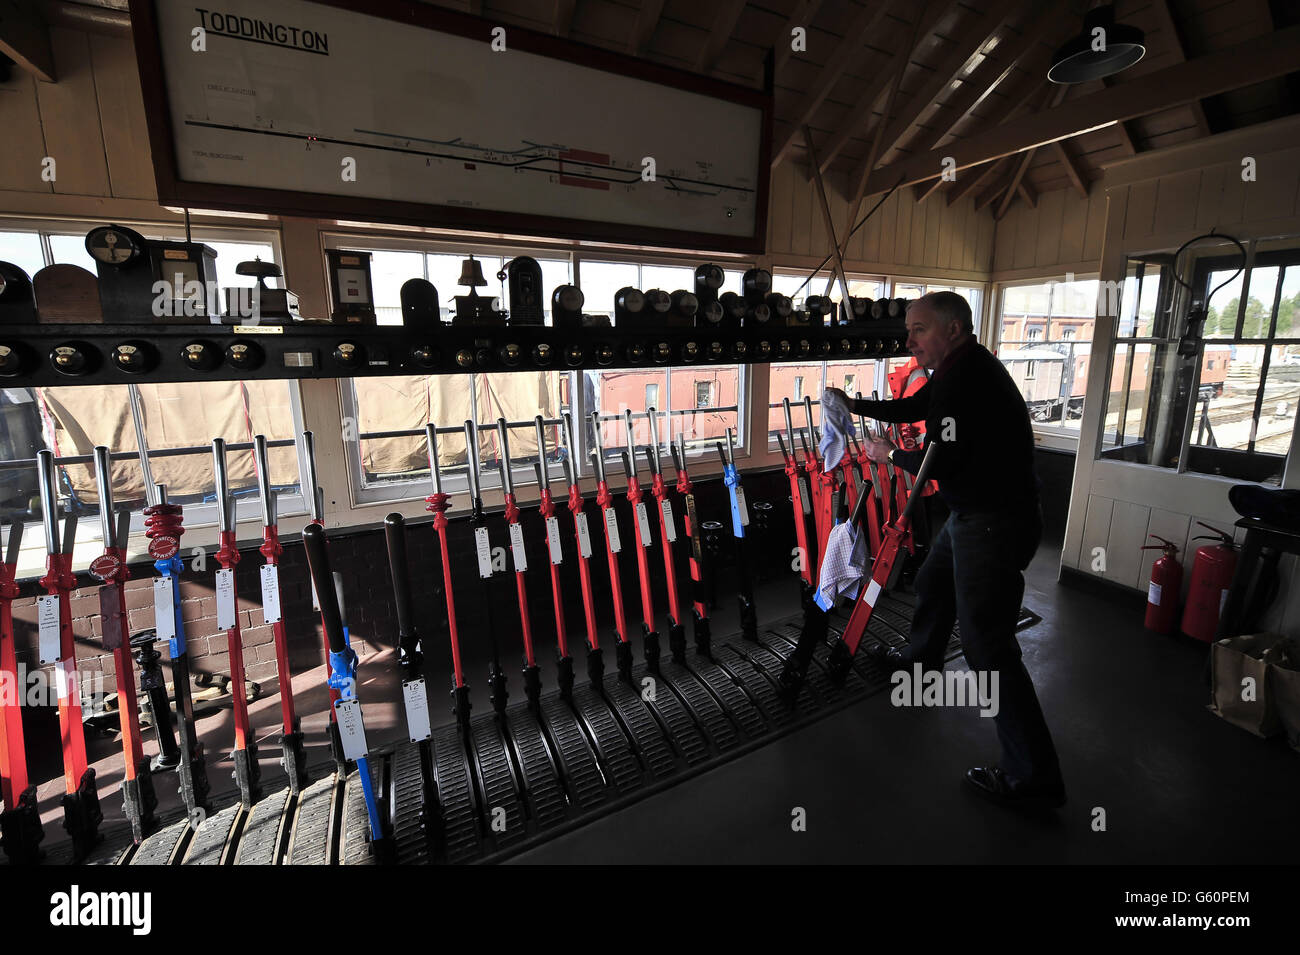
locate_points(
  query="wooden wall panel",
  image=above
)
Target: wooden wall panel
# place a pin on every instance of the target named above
(1271, 195)
(24, 141)
(902, 251)
(801, 228)
(1074, 224)
(122, 118)
(1209, 197)
(1124, 552)
(1026, 228)
(1096, 531)
(1096, 228)
(71, 120)
(1141, 213)
(1176, 198)
(780, 219)
(1051, 220)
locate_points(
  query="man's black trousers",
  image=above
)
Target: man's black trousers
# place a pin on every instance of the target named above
(972, 576)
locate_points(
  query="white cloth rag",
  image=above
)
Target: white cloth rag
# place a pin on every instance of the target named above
(843, 566)
(837, 428)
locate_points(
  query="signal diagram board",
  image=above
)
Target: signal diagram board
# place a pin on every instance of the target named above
(411, 113)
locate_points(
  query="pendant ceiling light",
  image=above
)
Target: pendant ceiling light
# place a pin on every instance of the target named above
(1104, 48)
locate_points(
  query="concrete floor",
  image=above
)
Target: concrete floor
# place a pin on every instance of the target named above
(884, 785)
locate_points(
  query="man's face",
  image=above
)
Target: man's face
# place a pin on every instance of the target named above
(929, 337)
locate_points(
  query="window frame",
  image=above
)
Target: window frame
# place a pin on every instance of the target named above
(1048, 435)
(363, 496)
(200, 515)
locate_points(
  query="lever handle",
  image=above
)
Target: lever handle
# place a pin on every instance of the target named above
(262, 467)
(395, 537)
(318, 564)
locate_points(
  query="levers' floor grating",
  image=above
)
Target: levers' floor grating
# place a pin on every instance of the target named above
(514, 781)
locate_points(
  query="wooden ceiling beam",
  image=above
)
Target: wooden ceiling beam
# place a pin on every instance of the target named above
(1254, 61)
(1027, 192)
(970, 183)
(860, 114)
(801, 16)
(861, 110)
(976, 88)
(25, 39)
(845, 53)
(1178, 47)
(977, 35)
(647, 18)
(922, 191)
(723, 25)
(1071, 168)
(1051, 100)
(990, 194)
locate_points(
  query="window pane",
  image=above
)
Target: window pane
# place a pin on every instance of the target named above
(1221, 316)
(601, 281)
(71, 250)
(408, 403)
(389, 271)
(175, 416)
(670, 278)
(444, 273)
(705, 394)
(23, 249)
(1045, 331)
(555, 272)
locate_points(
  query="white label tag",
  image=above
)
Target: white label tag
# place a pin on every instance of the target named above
(517, 545)
(66, 687)
(740, 504)
(670, 528)
(643, 523)
(873, 591)
(611, 527)
(270, 593)
(315, 599)
(484, 548)
(417, 710)
(352, 731)
(553, 540)
(1154, 590)
(226, 616)
(164, 611)
(47, 617)
(584, 535)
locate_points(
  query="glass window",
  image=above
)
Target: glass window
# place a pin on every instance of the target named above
(23, 249)
(652, 395)
(1228, 407)
(1045, 334)
(177, 421)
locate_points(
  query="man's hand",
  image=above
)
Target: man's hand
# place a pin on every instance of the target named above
(878, 448)
(843, 397)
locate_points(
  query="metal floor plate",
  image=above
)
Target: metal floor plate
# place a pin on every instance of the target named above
(578, 759)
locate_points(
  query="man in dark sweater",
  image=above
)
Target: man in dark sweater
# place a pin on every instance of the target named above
(983, 461)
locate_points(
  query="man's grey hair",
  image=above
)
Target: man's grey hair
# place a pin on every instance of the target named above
(950, 307)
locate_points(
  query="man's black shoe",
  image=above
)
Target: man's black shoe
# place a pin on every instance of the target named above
(887, 656)
(995, 784)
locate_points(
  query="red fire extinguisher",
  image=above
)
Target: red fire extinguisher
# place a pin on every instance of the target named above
(1164, 588)
(1212, 572)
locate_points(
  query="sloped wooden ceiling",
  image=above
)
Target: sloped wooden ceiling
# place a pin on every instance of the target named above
(884, 80)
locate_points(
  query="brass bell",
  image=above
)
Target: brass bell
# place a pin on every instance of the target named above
(471, 273)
